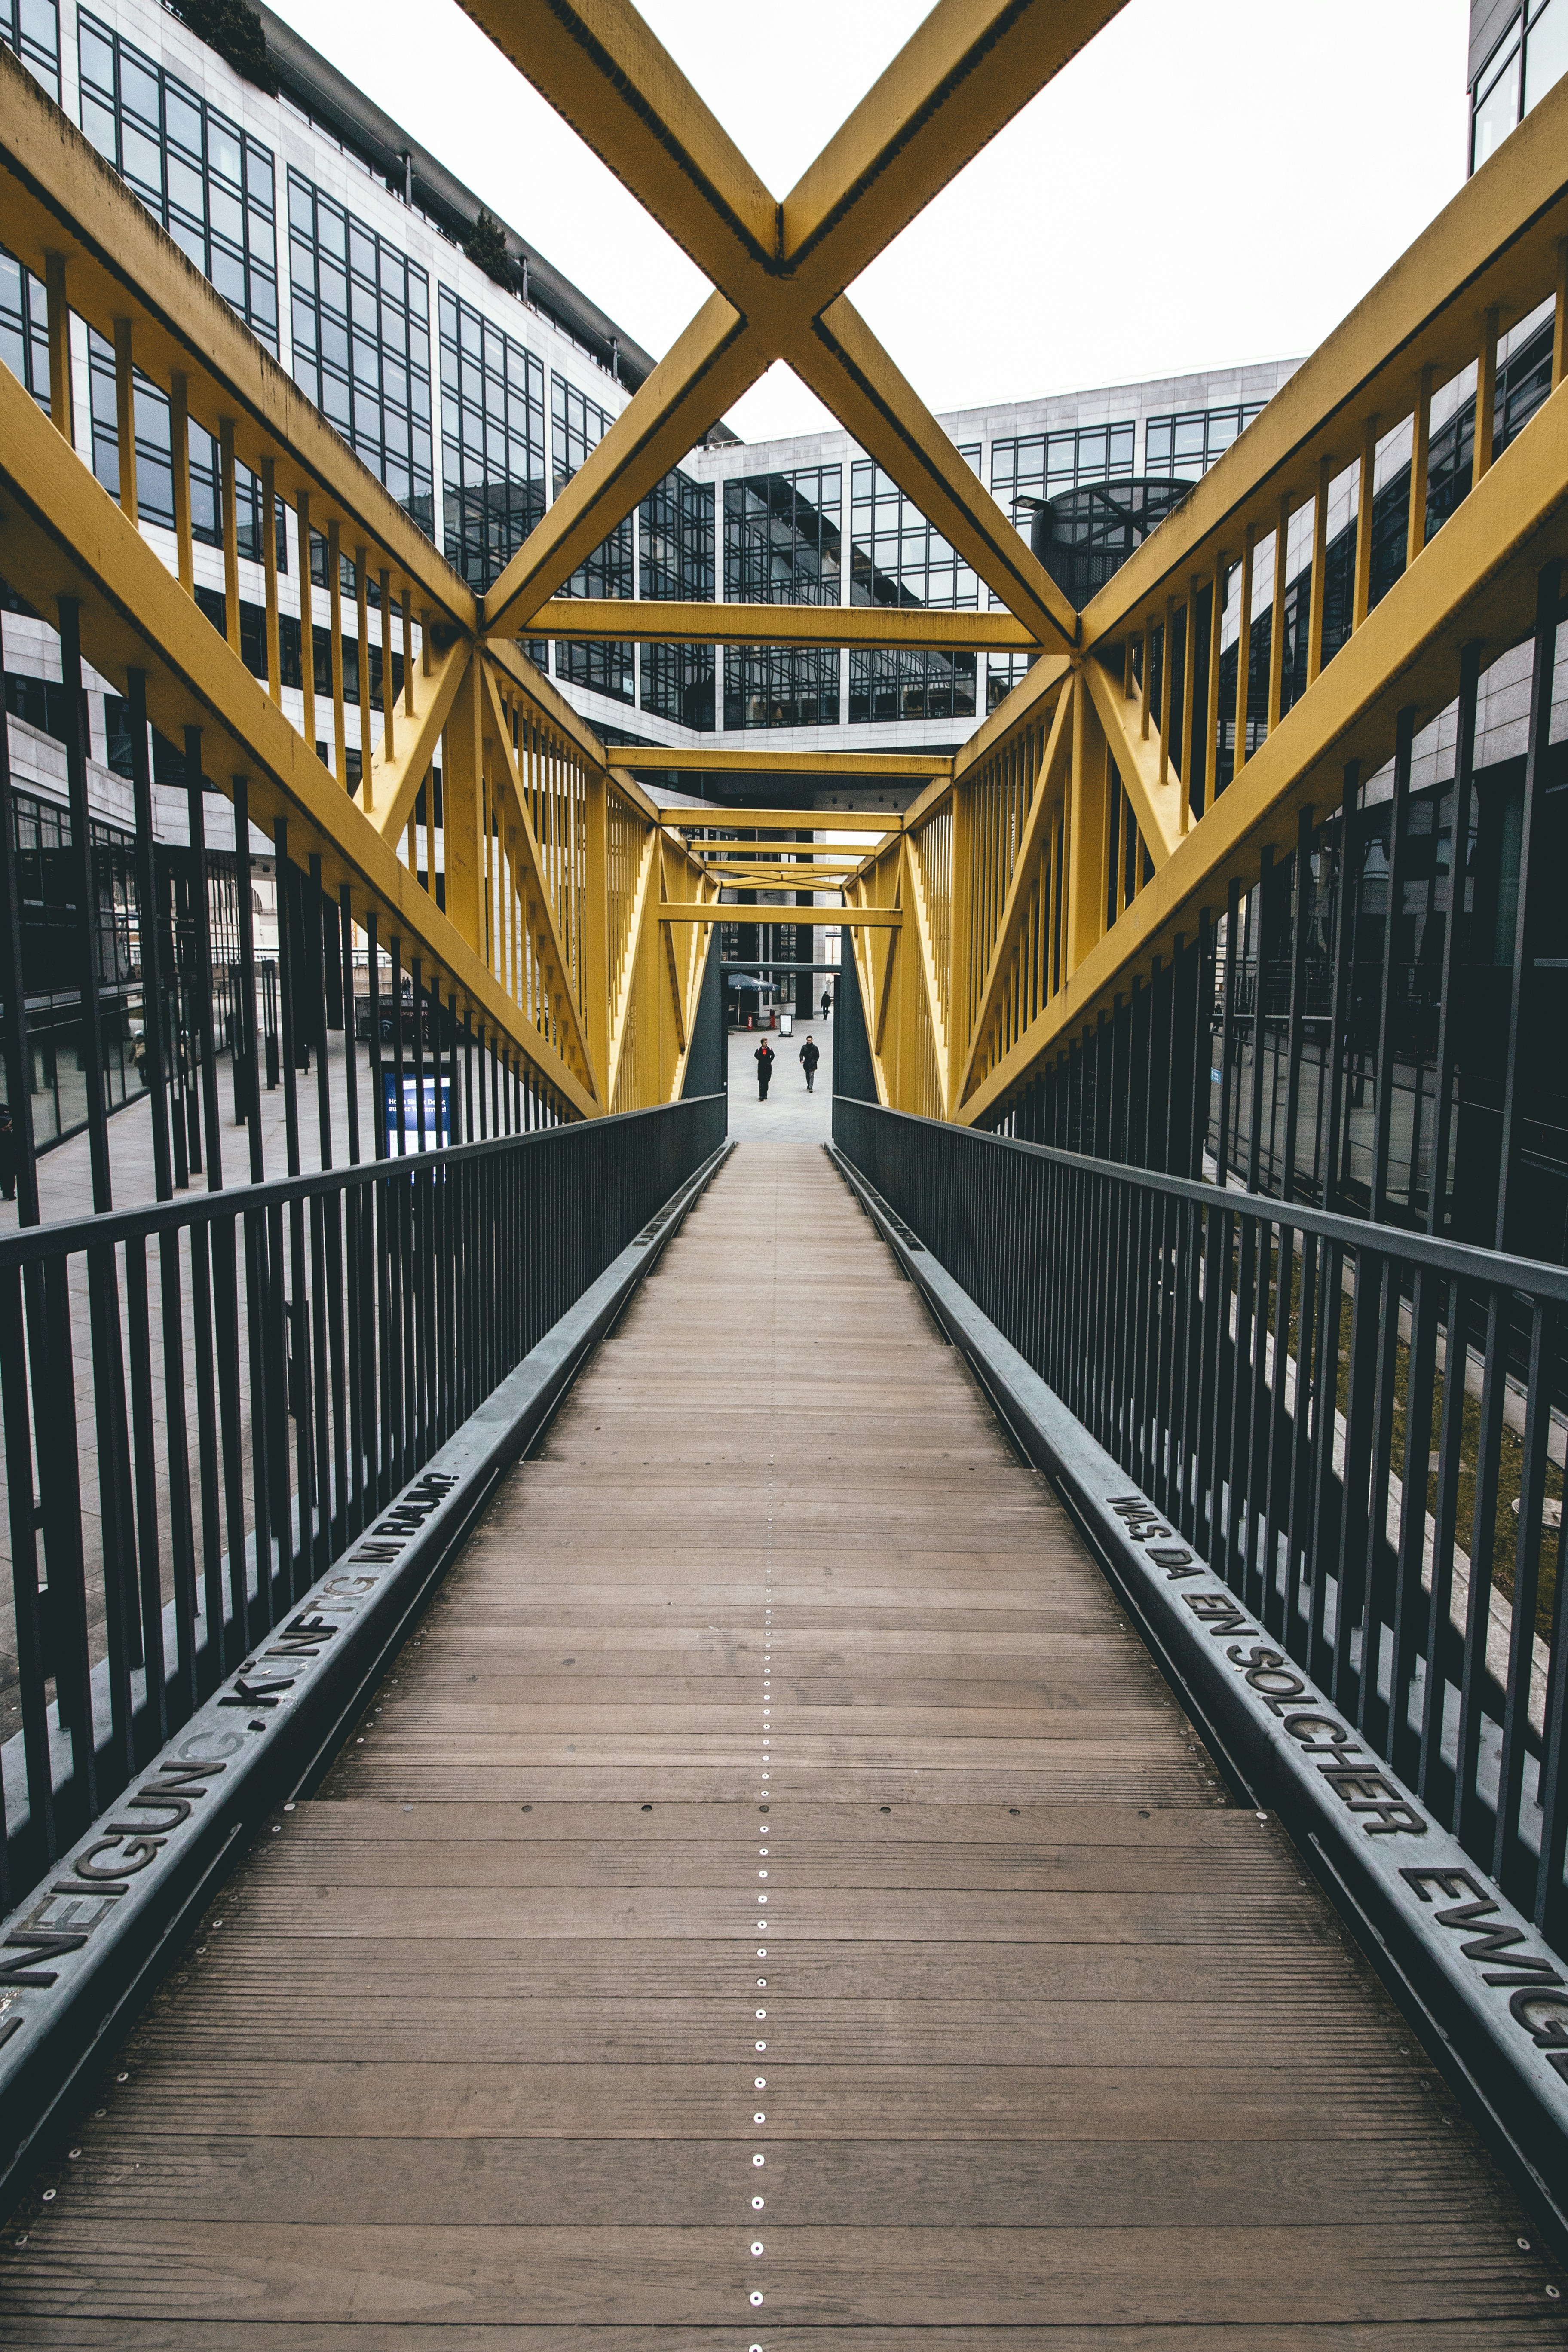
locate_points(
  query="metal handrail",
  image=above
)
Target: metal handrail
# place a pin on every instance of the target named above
(1277, 1380)
(248, 1377)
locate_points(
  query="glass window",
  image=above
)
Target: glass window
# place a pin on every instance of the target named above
(1546, 51)
(578, 424)
(1497, 102)
(24, 326)
(896, 555)
(1039, 465)
(155, 466)
(888, 684)
(32, 28)
(364, 354)
(1187, 444)
(492, 439)
(676, 537)
(772, 686)
(176, 151)
(782, 538)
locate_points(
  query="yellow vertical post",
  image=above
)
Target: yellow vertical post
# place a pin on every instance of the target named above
(1189, 688)
(1276, 612)
(1243, 656)
(1167, 643)
(180, 461)
(230, 501)
(1486, 396)
(388, 686)
(1319, 569)
(269, 570)
(408, 652)
(335, 610)
(307, 619)
(1560, 321)
(125, 418)
(1208, 772)
(362, 662)
(1084, 881)
(1420, 455)
(1144, 680)
(62, 410)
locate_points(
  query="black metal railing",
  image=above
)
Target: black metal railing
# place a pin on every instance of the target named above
(1325, 1408)
(206, 1402)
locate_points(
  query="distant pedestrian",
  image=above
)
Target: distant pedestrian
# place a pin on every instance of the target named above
(763, 1059)
(827, 1006)
(809, 1058)
(8, 1154)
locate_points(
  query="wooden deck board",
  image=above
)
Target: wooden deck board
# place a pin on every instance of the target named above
(1062, 2050)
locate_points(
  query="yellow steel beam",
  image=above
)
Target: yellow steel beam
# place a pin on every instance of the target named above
(65, 537)
(708, 367)
(1049, 785)
(1156, 805)
(924, 972)
(843, 770)
(1474, 582)
(625, 996)
(1493, 245)
(841, 361)
(1040, 682)
(394, 783)
(648, 623)
(540, 909)
(59, 196)
(777, 270)
(823, 918)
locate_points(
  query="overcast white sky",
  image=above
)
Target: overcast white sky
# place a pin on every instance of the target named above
(1211, 181)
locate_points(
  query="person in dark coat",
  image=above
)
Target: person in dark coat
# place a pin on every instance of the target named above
(764, 1057)
(809, 1058)
(10, 1153)
(827, 1006)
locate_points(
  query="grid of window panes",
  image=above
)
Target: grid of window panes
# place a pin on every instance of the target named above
(492, 441)
(1187, 444)
(577, 426)
(676, 542)
(47, 883)
(782, 537)
(897, 556)
(1532, 56)
(24, 326)
(209, 184)
(776, 685)
(360, 320)
(1039, 465)
(32, 28)
(154, 464)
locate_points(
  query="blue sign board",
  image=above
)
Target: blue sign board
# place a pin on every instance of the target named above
(435, 1138)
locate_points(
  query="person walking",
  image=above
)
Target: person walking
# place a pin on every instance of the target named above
(763, 1059)
(827, 1006)
(809, 1058)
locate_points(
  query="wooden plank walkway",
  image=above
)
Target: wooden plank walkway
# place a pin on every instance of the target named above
(774, 1903)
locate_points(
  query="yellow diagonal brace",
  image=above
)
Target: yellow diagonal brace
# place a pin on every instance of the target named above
(1475, 581)
(709, 366)
(57, 194)
(394, 783)
(66, 537)
(1048, 788)
(926, 975)
(532, 878)
(1157, 806)
(622, 1000)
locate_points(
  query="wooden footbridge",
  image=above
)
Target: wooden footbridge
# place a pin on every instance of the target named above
(773, 1899)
